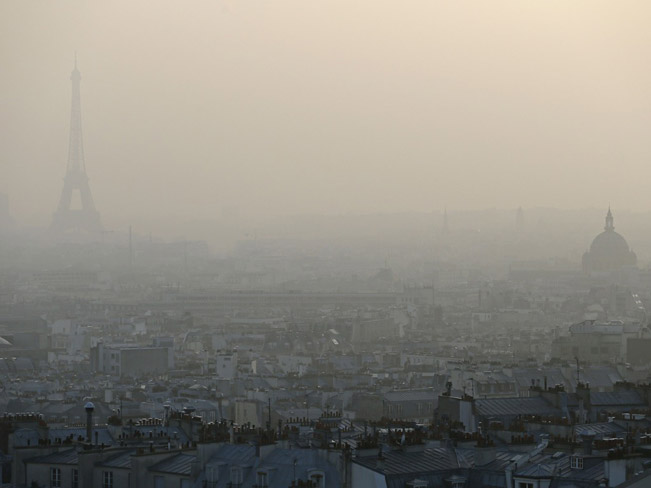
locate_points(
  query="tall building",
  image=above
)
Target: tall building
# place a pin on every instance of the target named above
(67, 218)
(608, 252)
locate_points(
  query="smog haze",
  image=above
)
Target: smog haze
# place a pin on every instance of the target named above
(194, 110)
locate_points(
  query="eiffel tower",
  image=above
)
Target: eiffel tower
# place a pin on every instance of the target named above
(66, 218)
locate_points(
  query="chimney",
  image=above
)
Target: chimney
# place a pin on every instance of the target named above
(508, 473)
(587, 438)
(89, 407)
(380, 460)
(167, 407)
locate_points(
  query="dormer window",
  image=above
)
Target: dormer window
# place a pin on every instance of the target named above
(417, 484)
(212, 474)
(236, 476)
(262, 479)
(576, 462)
(456, 481)
(317, 478)
(55, 477)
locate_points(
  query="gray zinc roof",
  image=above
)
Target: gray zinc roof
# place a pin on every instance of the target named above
(402, 462)
(614, 398)
(180, 464)
(508, 407)
(411, 396)
(69, 456)
(120, 460)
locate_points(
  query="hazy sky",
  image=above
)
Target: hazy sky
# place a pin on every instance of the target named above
(298, 106)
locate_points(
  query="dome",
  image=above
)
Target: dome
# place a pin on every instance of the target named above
(609, 243)
(609, 251)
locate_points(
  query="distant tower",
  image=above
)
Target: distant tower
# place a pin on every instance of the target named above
(66, 218)
(519, 221)
(609, 221)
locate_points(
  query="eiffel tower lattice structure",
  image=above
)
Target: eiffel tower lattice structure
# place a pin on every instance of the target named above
(67, 218)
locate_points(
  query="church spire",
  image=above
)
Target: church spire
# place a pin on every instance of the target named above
(609, 221)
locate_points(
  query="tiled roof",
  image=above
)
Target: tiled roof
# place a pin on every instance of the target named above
(523, 376)
(103, 434)
(235, 453)
(69, 456)
(403, 462)
(280, 463)
(180, 464)
(623, 398)
(547, 466)
(411, 396)
(120, 460)
(599, 428)
(495, 407)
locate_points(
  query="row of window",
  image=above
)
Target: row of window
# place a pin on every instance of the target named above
(55, 478)
(107, 479)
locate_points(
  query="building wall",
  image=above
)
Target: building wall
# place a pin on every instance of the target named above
(167, 480)
(638, 351)
(40, 474)
(139, 361)
(588, 347)
(365, 478)
(121, 477)
(248, 411)
(226, 367)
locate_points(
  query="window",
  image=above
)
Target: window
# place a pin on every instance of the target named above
(55, 477)
(74, 479)
(236, 476)
(318, 479)
(185, 483)
(212, 474)
(159, 482)
(107, 479)
(576, 462)
(263, 479)
(524, 484)
(417, 484)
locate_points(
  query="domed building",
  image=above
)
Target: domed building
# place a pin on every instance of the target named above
(609, 251)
